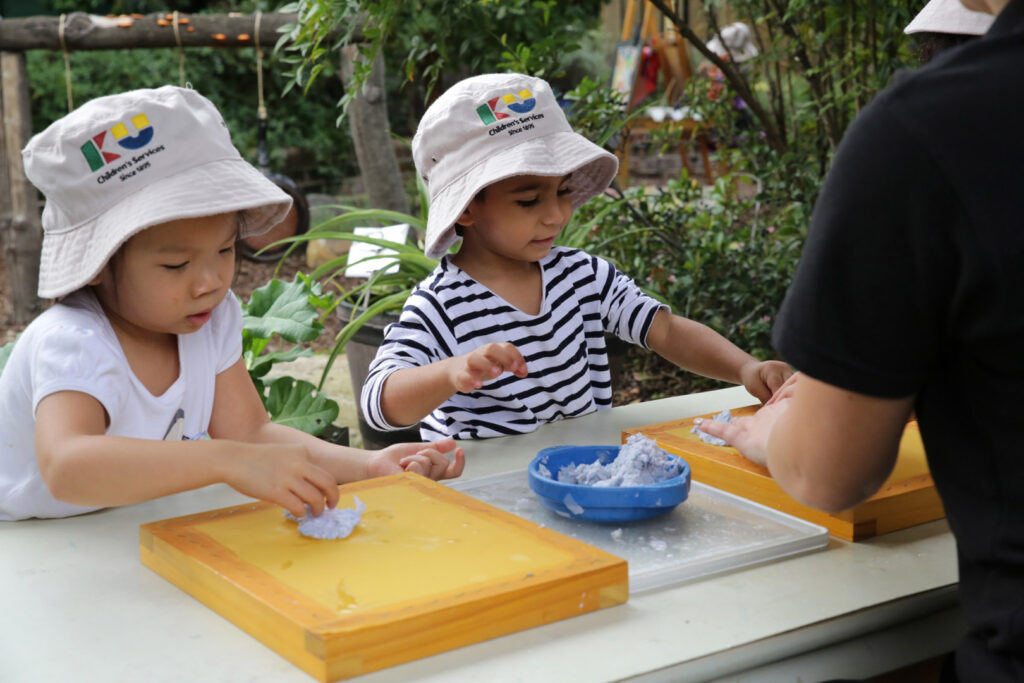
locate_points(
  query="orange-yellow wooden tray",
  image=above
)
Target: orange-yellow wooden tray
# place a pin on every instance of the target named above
(428, 569)
(907, 498)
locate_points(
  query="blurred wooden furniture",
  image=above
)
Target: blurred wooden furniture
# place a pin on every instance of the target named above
(675, 70)
(690, 132)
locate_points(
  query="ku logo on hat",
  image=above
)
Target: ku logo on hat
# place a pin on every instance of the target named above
(494, 109)
(99, 157)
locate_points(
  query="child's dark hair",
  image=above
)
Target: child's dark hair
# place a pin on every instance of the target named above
(478, 197)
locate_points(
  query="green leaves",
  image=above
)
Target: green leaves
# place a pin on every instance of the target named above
(260, 365)
(284, 308)
(719, 257)
(427, 39)
(5, 353)
(296, 403)
(289, 310)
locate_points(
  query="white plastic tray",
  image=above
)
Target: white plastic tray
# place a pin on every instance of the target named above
(709, 533)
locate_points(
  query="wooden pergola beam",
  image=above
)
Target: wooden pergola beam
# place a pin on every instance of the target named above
(92, 32)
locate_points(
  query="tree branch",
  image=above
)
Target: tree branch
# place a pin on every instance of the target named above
(732, 74)
(813, 79)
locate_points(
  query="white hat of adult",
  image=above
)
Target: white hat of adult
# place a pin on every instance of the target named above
(949, 16)
(735, 39)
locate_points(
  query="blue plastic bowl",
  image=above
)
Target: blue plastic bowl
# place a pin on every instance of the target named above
(600, 503)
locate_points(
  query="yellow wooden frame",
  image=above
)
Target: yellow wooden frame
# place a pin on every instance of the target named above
(330, 646)
(907, 498)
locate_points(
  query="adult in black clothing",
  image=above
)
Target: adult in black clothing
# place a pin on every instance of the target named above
(910, 296)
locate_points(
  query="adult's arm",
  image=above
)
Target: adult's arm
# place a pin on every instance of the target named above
(867, 318)
(827, 447)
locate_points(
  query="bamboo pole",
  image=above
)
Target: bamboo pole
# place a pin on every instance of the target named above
(22, 233)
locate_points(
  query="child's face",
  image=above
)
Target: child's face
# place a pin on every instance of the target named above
(168, 278)
(518, 218)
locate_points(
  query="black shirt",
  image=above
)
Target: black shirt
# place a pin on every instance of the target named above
(912, 283)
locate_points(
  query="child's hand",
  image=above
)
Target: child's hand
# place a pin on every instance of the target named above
(283, 474)
(786, 390)
(427, 459)
(485, 363)
(764, 378)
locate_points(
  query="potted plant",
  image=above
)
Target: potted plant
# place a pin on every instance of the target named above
(289, 311)
(369, 307)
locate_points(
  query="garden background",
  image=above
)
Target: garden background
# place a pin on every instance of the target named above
(721, 253)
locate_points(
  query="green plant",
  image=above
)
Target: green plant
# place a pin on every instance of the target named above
(597, 111)
(818, 65)
(5, 353)
(303, 144)
(290, 311)
(382, 292)
(431, 38)
(716, 257)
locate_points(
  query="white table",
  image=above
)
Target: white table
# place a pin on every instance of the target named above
(76, 604)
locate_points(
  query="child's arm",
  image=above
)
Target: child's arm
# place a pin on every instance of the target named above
(410, 394)
(239, 414)
(698, 348)
(82, 465)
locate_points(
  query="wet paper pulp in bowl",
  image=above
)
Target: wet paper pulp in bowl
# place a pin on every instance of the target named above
(601, 503)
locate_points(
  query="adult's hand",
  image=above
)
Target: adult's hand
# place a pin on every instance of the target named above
(786, 390)
(749, 435)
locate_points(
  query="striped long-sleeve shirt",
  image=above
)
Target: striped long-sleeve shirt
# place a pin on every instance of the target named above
(451, 314)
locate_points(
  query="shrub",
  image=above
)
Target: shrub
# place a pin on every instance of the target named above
(716, 257)
(227, 77)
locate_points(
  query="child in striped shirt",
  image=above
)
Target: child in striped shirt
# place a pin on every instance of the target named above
(508, 333)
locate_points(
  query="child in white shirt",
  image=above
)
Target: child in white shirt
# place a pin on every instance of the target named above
(108, 395)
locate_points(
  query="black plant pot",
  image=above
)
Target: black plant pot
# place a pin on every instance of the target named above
(334, 434)
(360, 352)
(617, 350)
(296, 222)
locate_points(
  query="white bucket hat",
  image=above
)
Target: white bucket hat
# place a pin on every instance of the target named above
(491, 127)
(949, 16)
(735, 39)
(122, 163)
